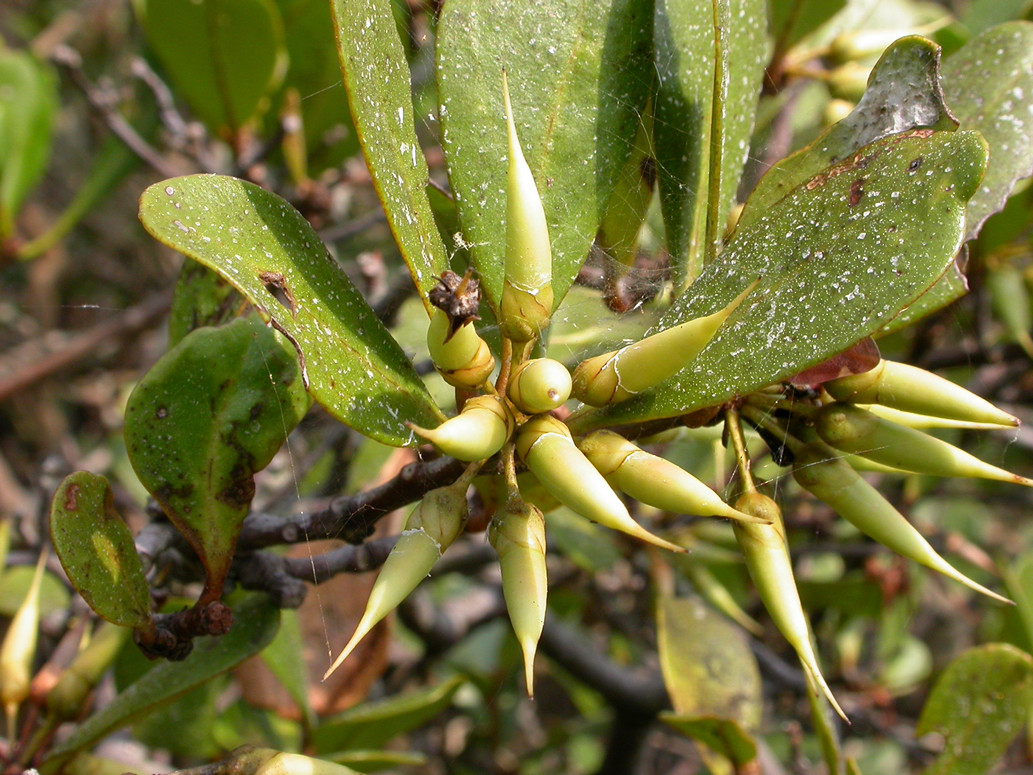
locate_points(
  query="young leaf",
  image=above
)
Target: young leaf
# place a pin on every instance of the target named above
(236, 57)
(577, 91)
(989, 86)
(685, 59)
(836, 259)
(256, 619)
(97, 551)
(211, 413)
(269, 252)
(376, 75)
(979, 705)
(28, 101)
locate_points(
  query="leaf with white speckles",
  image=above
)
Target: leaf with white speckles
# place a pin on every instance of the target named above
(685, 65)
(988, 84)
(836, 259)
(579, 75)
(376, 76)
(270, 253)
(199, 425)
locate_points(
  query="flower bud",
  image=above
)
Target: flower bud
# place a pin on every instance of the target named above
(518, 535)
(19, 650)
(834, 482)
(852, 429)
(66, 698)
(910, 389)
(545, 445)
(476, 433)
(527, 294)
(539, 385)
(653, 480)
(766, 554)
(463, 359)
(617, 376)
(431, 528)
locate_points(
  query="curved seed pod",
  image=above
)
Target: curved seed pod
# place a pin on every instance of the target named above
(653, 480)
(852, 429)
(767, 559)
(19, 650)
(920, 421)
(432, 527)
(834, 482)
(518, 535)
(462, 358)
(545, 445)
(476, 433)
(617, 376)
(66, 698)
(539, 385)
(527, 292)
(910, 389)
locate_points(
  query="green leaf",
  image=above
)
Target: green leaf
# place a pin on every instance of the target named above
(374, 761)
(28, 102)
(269, 252)
(201, 298)
(903, 94)
(54, 596)
(579, 75)
(235, 58)
(212, 412)
(979, 705)
(255, 622)
(836, 260)
(372, 724)
(711, 676)
(376, 75)
(988, 84)
(281, 657)
(794, 20)
(685, 57)
(97, 551)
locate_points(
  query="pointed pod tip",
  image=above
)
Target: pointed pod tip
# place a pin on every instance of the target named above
(529, 647)
(360, 632)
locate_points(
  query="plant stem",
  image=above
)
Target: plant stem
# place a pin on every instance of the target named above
(733, 425)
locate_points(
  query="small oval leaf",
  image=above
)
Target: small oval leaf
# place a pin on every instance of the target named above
(836, 260)
(212, 412)
(97, 551)
(270, 253)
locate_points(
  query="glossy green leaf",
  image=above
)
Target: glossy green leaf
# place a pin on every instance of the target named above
(28, 102)
(269, 252)
(212, 412)
(836, 260)
(979, 705)
(97, 551)
(579, 75)
(372, 724)
(989, 86)
(255, 620)
(235, 57)
(711, 676)
(376, 75)
(201, 298)
(685, 57)
(903, 94)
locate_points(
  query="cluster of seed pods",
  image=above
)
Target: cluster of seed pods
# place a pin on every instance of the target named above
(829, 438)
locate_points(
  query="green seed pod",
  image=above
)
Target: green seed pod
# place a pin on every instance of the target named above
(920, 421)
(653, 480)
(518, 535)
(66, 698)
(546, 446)
(539, 385)
(910, 389)
(852, 429)
(766, 554)
(617, 376)
(19, 650)
(281, 763)
(527, 294)
(476, 433)
(462, 358)
(432, 527)
(834, 482)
